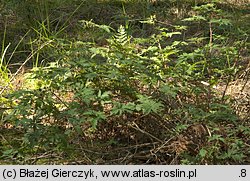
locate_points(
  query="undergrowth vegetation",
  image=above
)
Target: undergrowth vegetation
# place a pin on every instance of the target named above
(124, 82)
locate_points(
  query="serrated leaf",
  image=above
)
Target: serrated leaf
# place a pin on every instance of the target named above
(195, 18)
(148, 105)
(120, 108)
(221, 21)
(202, 153)
(169, 90)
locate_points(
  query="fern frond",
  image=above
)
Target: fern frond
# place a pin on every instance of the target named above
(121, 36)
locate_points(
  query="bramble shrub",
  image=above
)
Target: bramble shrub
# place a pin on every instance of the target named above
(164, 76)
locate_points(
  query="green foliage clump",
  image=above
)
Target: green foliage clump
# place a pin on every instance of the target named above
(165, 77)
